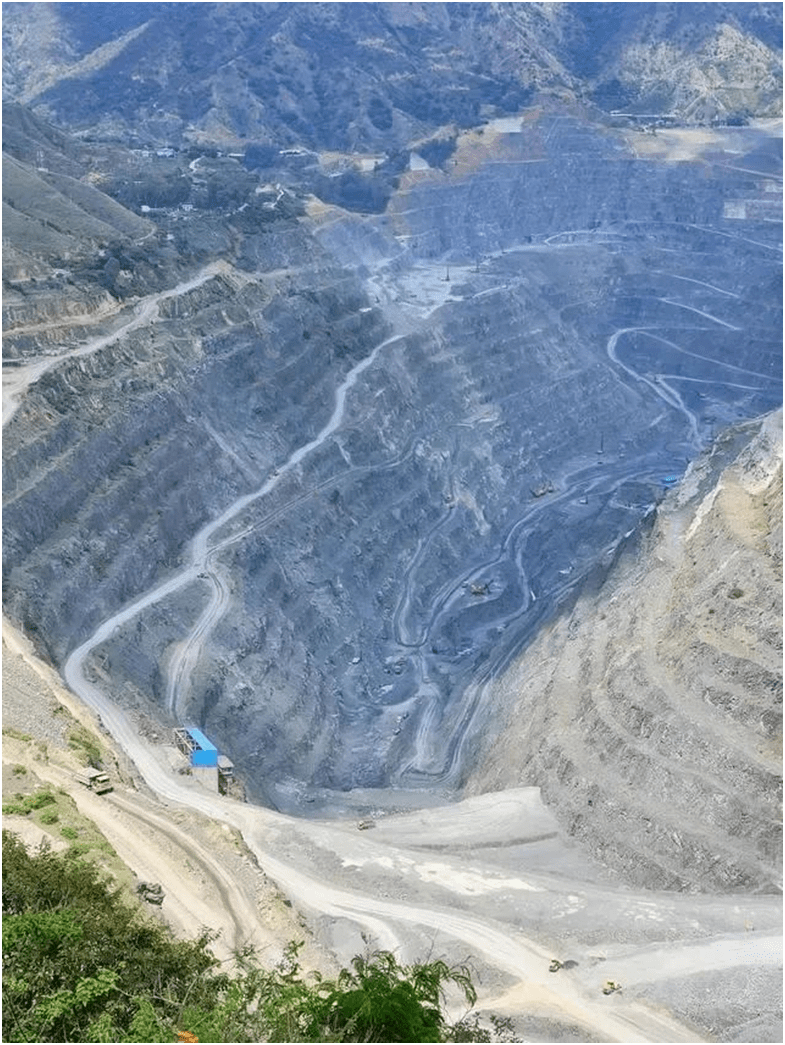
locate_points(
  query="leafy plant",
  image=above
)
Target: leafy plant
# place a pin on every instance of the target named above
(381, 1000)
(82, 964)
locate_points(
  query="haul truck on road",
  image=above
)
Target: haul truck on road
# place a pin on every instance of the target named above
(95, 780)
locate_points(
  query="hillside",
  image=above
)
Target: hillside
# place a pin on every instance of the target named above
(377, 76)
(650, 715)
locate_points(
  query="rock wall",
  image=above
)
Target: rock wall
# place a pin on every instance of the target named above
(651, 714)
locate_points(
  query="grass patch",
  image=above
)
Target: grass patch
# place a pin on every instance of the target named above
(70, 833)
(85, 745)
(79, 849)
(49, 816)
(8, 731)
(25, 804)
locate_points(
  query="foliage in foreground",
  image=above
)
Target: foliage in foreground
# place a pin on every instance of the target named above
(80, 964)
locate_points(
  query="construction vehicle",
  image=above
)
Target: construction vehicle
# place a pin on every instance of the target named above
(541, 490)
(556, 965)
(94, 779)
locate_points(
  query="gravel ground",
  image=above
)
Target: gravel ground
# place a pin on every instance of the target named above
(30, 706)
(712, 1000)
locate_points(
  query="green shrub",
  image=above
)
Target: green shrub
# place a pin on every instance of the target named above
(69, 832)
(40, 799)
(25, 803)
(49, 816)
(85, 744)
(19, 770)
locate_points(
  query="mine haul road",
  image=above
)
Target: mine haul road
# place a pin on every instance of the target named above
(502, 947)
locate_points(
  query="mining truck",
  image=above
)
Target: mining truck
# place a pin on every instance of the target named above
(95, 779)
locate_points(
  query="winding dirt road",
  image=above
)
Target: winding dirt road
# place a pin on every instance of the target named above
(17, 379)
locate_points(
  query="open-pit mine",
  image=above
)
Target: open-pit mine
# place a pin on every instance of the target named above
(440, 487)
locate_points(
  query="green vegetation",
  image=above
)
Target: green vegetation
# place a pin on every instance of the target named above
(25, 804)
(8, 731)
(85, 745)
(83, 964)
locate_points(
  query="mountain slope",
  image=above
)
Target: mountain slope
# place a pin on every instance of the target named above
(651, 715)
(702, 62)
(376, 76)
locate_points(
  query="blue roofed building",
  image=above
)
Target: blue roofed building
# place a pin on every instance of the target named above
(194, 744)
(203, 753)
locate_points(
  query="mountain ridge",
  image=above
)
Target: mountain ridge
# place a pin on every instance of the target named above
(294, 75)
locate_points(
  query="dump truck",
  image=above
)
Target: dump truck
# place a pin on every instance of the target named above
(95, 779)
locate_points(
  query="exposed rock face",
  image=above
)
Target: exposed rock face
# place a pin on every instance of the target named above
(651, 714)
(88, 481)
